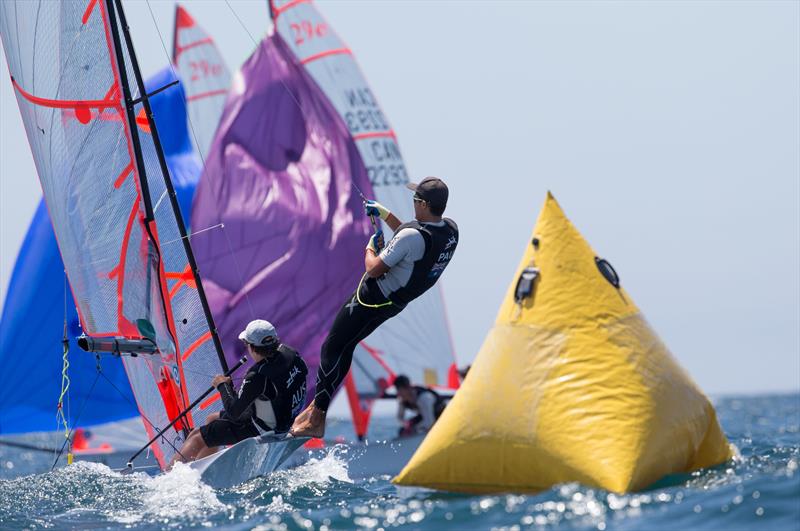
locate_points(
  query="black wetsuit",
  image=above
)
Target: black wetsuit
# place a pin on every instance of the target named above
(356, 321)
(272, 394)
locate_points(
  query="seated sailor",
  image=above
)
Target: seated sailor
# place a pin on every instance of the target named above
(272, 394)
(426, 402)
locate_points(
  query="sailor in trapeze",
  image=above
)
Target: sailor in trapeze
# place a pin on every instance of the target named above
(410, 264)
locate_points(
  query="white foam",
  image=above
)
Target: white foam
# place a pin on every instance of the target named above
(315, 472)
(178, 494)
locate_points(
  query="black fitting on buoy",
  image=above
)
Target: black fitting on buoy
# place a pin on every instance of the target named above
(535, 242)
(608, 272)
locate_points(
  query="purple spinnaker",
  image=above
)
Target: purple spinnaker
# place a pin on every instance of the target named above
(280, 177)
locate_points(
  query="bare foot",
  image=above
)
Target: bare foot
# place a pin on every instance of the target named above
(312, 426)
(303, 416)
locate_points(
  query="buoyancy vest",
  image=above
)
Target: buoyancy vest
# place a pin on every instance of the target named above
(285, 391)
(438, 406)
(440, 245)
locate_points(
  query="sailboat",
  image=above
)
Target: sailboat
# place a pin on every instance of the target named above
(39, 303)
(115, 212)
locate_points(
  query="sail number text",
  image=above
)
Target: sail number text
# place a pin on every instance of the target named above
(305, 31)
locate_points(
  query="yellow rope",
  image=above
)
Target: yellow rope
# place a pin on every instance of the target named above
(61, 418)
(362, 303)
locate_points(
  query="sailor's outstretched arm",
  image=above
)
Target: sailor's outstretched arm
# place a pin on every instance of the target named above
(373, 208)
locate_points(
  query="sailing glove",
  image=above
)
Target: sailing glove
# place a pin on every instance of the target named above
(376, 242)
(373, 208)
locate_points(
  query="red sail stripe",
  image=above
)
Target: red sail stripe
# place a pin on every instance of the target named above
(278, 10)
(88, 12)
(376, 354)
(207, 402)
(376, 134)
(184, 278)
(66, 104)
(194, 346)
(336, 51)
(119, 270)
(180, 49)
(123, 175)
(208, 94)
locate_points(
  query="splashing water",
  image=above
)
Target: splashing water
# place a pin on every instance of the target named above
(759, 490)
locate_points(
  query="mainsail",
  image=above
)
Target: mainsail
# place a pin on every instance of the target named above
(113, 207)
(417, 342)
(205, 77)
(34, 308)
(281, 176)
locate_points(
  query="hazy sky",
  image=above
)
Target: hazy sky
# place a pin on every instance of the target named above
(668, 131)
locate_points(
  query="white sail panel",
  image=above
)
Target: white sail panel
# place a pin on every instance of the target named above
(204, 75)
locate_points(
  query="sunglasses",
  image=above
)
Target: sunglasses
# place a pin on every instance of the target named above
(419, 200)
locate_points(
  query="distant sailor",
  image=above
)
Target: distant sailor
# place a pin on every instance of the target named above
(271, 395)
(410, 264)
(424, 401)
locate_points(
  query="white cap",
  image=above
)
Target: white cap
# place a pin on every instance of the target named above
(258, 333)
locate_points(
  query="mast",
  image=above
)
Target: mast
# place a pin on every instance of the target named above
(116, 6)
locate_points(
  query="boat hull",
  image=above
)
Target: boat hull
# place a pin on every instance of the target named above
(248, 459)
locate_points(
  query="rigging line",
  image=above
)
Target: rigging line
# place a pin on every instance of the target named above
(117, 389)
(256, 44)
(218, 225)
(202, 158)
(83, 406)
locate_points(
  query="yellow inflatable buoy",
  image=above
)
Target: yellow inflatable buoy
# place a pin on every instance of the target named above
(571, 384)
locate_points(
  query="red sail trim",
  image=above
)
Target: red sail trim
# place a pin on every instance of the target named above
(119, 272)
(88, 12)
(276, 11)
(180, 49)
(359, 414)
(327, 53)
(194, 346)
(219, 92)
(376, 134)
(182, 18)
(75, 105)
(453, 381)
(210, 400)
(170, 396)
(123, 175)
(184, 278)
(376, 354)
(162, 279)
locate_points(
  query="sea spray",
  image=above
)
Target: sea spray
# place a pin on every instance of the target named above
(178, 494)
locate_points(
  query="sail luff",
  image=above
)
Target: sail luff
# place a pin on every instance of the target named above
(171, 193)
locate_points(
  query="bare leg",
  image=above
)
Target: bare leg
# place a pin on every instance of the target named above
(191, 448)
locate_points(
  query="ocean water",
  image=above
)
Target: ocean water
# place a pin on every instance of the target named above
(760, 490)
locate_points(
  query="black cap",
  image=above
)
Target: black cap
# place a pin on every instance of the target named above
(431, 189)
